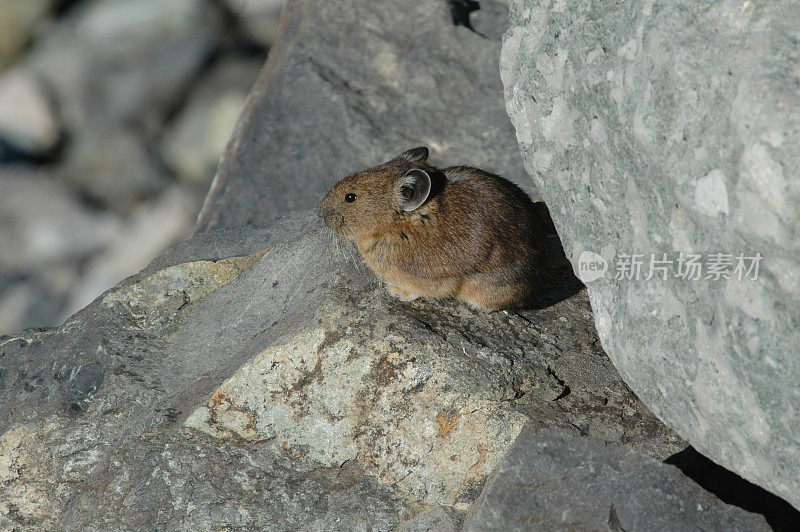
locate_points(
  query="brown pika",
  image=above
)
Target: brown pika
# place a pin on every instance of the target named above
(458, 232)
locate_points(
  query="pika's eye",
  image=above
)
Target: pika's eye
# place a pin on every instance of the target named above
(350, 198)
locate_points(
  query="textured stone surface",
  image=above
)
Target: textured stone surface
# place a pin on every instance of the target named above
(260, 377)
(152, 227)
(674, 127)
(351, 83)
(420, 422)
(558, 480)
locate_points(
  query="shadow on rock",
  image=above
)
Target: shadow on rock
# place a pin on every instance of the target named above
(558, 280)
(733, 489)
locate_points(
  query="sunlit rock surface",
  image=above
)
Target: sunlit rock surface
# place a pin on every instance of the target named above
(656, 128)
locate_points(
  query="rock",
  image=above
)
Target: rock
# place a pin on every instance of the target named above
(153, 227)
(260, 19)
(101, 60)
(27, 119)
(194, 142)
(259, 377)
(58, 255)
(47, 234)
(18, 20)
(674, 127)
(114, 168)
(733, 489)
(351, 84)
(44, 223)
(28, 302)
(98, 64)
(260, 489)
(557, 480)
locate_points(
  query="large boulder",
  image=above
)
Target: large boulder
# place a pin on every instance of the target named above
(673, 127)
(558, 480)
(260, 377)
(352, 83)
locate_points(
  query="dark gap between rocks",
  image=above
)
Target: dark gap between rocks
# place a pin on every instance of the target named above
(733, 489)
(236, 38)
(61, 7)
(460, 11)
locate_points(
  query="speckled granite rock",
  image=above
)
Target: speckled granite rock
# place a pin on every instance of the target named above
(260, 377)
(674, 127)
(558, 480)
(351, 82)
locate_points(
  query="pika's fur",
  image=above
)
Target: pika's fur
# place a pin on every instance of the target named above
(458, 232)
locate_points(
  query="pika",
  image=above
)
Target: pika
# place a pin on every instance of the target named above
(458, 232)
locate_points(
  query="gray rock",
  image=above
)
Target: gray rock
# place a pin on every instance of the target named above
(438, 520)
(18, 20)
(259, 377)
(31, 301)
(193, 143)
(674, 127)
(150, 229)
(57, 255)
(101, 59)
(351, 84)
(114, 167)
(44, 223)
(98, 64)
(27, 118)
(46, 237)
(260, 19)
(557, 480)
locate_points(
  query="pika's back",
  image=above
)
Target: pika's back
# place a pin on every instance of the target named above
(486, 222)
(490, 202)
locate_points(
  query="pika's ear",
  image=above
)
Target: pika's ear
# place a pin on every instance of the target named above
(416, 155)
(413, 189)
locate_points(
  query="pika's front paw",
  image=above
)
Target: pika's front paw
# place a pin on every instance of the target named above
(402, 295)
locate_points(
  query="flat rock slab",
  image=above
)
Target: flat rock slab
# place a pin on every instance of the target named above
(261, 377)
(665, 134)
(351, 84)
(558, 480)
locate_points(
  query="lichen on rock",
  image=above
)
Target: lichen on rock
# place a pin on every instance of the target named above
(410, 418)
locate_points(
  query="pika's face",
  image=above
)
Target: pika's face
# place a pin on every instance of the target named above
(365, 202)
(358, 202)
